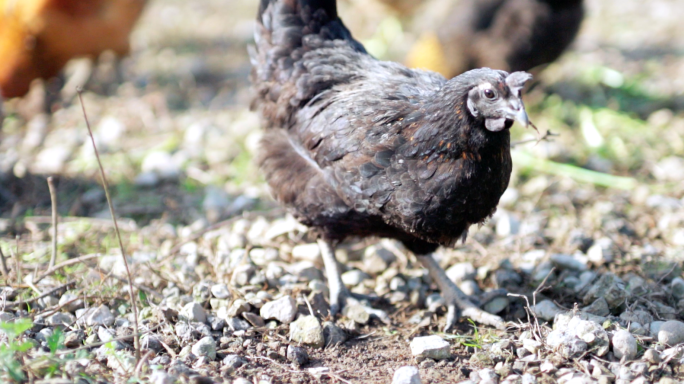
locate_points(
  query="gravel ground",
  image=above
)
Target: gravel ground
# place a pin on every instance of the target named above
(588, 239)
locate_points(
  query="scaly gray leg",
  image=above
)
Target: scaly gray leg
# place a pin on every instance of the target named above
(339, 294)
(457, 301)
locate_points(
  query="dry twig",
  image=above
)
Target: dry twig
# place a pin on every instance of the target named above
(5, 271)
(44, 294)
(105, 185)
(540, 138)
(66, 264)
(53, 201)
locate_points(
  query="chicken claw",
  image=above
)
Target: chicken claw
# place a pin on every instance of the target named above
(340, 296)
(458, 303)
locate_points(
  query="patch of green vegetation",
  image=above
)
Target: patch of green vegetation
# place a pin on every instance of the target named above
(477, 340)
(10, 353)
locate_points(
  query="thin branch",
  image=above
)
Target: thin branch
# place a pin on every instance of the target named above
(44, 294)
(53, 201)
(544, 137)
(66, 264)
(5, 271)
(105, 185)
(17, 261)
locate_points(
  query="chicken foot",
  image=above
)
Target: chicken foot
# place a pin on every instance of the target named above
(458, 302)
(340, 296)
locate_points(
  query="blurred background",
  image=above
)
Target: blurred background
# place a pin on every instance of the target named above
(177, 137)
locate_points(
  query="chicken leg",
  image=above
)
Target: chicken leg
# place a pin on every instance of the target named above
(458, 302)
(340, 296)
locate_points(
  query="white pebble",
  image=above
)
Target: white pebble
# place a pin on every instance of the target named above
(406, 375)
(624, 344)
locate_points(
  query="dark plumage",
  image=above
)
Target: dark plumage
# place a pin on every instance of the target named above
(512, 35)
(359, 147)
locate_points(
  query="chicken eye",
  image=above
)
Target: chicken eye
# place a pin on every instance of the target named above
(489, 94)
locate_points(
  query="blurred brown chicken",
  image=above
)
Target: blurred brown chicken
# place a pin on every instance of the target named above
(512, 35)
(38, 37)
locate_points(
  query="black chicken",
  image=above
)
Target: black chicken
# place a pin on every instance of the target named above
(359, 147)
(513, 35)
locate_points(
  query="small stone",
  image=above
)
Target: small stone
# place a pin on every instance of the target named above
(667, 380)
(308, 252)
(201, 292)
(671, 332)
(220, 291)
(377, 259)
(254, 319)
(532, 345)
(216, 323)
(105, 335)
(406, 375)
(354, 277)
(318, 286)
(529, 379)
(506, 223)
(307, 330)
(677, 287)
(43, 334)
(100, 316)
(242, 274)
(6, 316)
(216, 304)
(488, 376)
(159, 376)
(585, 278)
(397, 297)
(160, 163)
(600, 253)
(206, 346)
(652, 356)
(654, 327)
(357, 313)
(504, 277)
(398, 284)
(430, 347)
(546, 310)
(469, 287)
(193, 312)
(609, 287)
(151, 342)
(624, 344)
(669, 169)
(238, 307)
(297, 355)
(236, 324)
(496, 305)
(434, 302)
(61, 318)
(572, 262)
(74, 339)
(122, 363)
(461, 272)
(637, 316)
(73, 300)
(547, 367)
(283, 310)
(232, 362)
(333, 334)
(599, 307)
(306, 271)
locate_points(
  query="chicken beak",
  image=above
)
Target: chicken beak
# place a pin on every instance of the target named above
(521, 117)
(518, 114)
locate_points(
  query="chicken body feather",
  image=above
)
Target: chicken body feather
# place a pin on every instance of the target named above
(379, 149)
